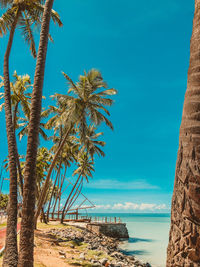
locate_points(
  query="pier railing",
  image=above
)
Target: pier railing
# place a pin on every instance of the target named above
(79, 217)
(106, 219)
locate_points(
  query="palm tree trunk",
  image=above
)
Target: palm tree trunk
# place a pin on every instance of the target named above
(46, 184)
(67, 201)
(76, 195)
(28, 208)
(11, 254)
(184, 238)
(17, 154)
(58, 173)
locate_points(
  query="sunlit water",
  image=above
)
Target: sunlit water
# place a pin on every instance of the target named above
(148, 236)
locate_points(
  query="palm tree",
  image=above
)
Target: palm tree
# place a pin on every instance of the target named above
(84, 170)
(27, 224)
(87, 101)
(89, 148)
(67, 156)
(19, 97)
(24, 125)
(24, 13)
(91, 143)
(184, 238)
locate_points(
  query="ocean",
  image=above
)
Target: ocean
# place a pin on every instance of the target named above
(148, 236)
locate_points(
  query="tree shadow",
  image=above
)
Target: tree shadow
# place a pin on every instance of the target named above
(136, 240)
(134, 252)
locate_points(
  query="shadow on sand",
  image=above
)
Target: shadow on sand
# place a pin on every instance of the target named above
(136, 240)
(134, 252)
(133, 240)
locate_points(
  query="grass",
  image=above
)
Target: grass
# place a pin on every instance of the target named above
(3, 225)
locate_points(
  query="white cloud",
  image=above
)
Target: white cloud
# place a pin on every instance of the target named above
(130, 206)
(122, 185)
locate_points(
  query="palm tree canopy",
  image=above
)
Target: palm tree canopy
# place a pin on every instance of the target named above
(85, 166)
(29, 16)
(21, 96)
(86, 100)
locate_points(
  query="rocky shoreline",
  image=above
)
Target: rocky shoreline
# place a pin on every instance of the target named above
(105, 251)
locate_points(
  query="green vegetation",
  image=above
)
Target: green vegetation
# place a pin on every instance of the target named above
(70, 127)
(3, 201)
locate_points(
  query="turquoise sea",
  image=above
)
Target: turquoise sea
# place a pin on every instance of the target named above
(148, 236)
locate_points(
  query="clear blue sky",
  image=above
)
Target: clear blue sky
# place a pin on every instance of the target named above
(142, 50)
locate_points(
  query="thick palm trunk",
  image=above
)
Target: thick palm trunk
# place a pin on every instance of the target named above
(11, 254)
(184, 239)
(46, 184)
(28, 207)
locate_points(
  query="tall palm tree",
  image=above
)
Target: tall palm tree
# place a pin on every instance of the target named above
(84, 170)
(87, 101)
(184, 238)
(67, 156)
(88, 149)
(27, 224)
(19, 97)
(24, 13)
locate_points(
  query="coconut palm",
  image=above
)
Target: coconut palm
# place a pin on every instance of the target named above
(90, 147)
(27, 224)
(24, 125)
(84, 170)
(184, 239)
(87, 101)
(91, 143)
(19, 97)
(20, 101)
(67, 156)
(26, 14)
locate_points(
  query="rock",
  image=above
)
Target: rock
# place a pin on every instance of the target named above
(62, 253)
(119, 264)
(82, 256)
(62, 257)
(103, 261)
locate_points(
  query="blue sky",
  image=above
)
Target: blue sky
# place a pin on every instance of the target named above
(142, 50)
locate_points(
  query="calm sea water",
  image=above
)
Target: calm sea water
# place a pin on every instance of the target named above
(148, 236)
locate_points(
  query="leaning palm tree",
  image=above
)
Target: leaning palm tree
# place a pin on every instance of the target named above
(84, 170)
(90, 147)
(184, 238)
(87, 101)
(67, 156)
(23, 13)
(27, 224)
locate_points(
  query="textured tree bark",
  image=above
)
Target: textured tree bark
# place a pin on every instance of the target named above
(28, 207)
(184, 239)
(11, 254)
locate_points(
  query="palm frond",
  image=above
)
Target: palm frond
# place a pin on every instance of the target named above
(7, 20)
(28, 35)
